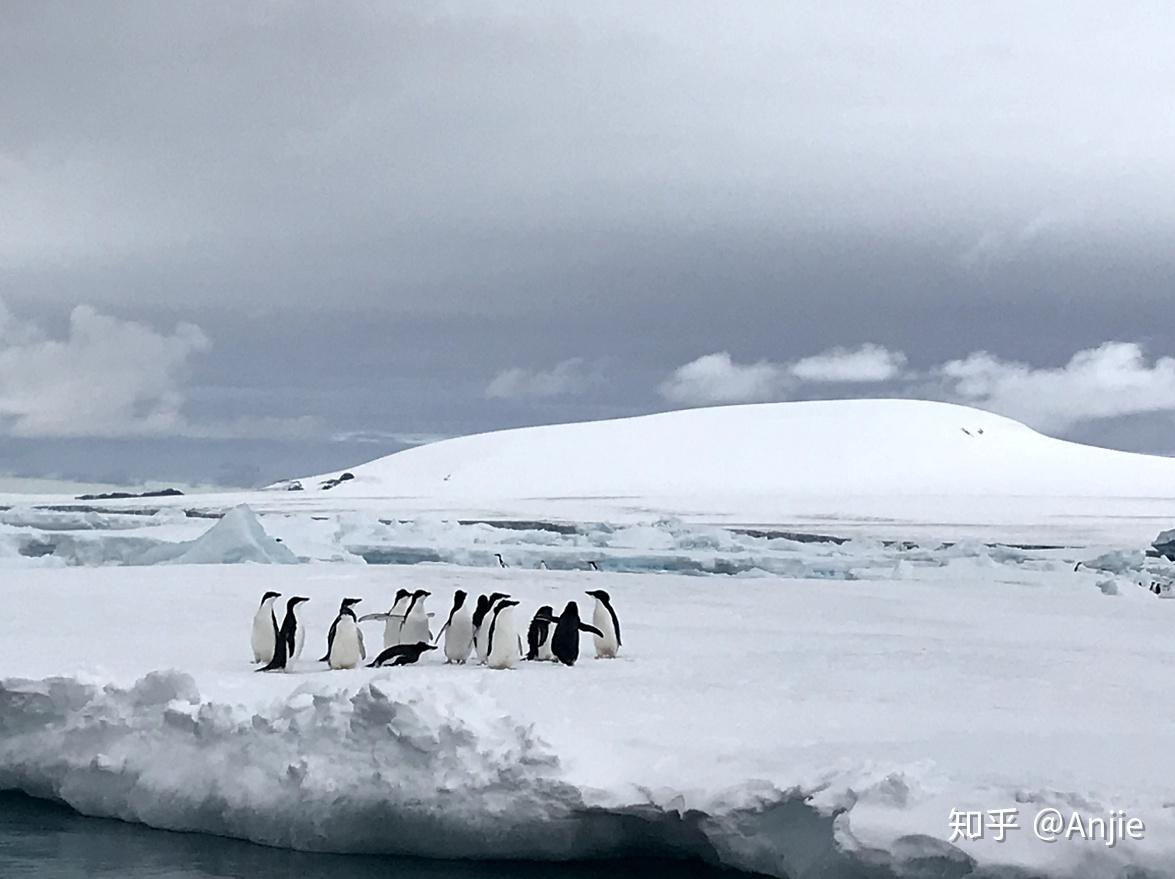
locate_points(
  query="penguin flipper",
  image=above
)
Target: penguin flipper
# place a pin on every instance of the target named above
(584, 627)
(441, 632)
(362, 646)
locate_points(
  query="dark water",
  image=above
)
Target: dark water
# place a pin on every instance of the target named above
(47, 841)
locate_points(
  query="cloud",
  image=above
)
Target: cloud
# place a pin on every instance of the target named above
(568, 377)
(108, 377)
(869, 363)
(1111, 380)
(716, 378)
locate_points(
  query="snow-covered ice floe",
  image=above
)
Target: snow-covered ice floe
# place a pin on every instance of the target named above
(793, 727)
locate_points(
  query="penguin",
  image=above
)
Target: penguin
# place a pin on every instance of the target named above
(346, 644)
(395, 618)
(458, 630)
(502, 644)
(265, 628)
(542, 565)
(414, 626)
(401, 654)
(565, 641)
(538, 636)
(593, 566)
(501, 561)
(290, 636)
(344, 607)
(604, 618)
(481, 629)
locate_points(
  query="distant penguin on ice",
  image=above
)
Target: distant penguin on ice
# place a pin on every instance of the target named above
(265, 628)
(344, 607)
(501, 561)
(458, 630)
(401, 654)
(346, 644)
(414, 627)
(593, 566)
(538, 636)
(604, 618)
(565, 641)
(481, 625)
(289, 638)
(502, 644)
(542, 565)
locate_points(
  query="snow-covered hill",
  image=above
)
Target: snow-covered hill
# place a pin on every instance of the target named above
(827, 448)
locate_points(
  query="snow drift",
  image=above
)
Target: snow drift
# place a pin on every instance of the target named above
(829, 448)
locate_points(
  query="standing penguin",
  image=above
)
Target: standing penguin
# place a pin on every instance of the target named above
(502, 645)
(346, 644)
(481, 625)
(414, 627)
(344, 608)
(458, 630)
(394, 618)
(401, 654)
(538, 636)
(265, 628)
(501, 561)
(289, 638)
(565, 641)
(604, 618)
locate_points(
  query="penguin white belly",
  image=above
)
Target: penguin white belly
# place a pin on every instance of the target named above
(503, 652)
(415, 628)
(482, 639)
(393, 625)
(264, 637)
(545, 654)
(299, 640)
(602, 620)
(459, 637)
(346, 650)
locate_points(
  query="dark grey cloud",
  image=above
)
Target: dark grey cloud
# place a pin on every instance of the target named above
(373, 210)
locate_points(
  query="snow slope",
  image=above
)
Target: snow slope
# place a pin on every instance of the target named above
(828, 448)
(799, 728)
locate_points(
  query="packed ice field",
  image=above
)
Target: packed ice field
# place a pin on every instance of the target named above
(808, 685)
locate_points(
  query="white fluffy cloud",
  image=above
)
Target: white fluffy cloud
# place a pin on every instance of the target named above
(568, 377)
(716, 378)
(1113, 379)
(107, 377)
(869, 363)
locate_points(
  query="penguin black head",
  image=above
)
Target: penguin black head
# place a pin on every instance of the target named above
(495, 597)
(601, 595)
(502, 605)
(459, 599)
(402, 593)
(295, 601)
(421, 593)
(571, 610)
(268, 595)
(349, 602)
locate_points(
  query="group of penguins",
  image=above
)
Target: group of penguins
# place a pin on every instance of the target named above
(489, 631)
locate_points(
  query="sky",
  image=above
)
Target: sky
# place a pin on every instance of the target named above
(242, 242)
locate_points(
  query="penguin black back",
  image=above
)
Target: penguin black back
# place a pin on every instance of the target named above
(401, 654)
(458, 602)
(565, 641)
(539, 631)
(283, 649)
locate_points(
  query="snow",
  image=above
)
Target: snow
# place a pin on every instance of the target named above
(797, 708)
(822, 448)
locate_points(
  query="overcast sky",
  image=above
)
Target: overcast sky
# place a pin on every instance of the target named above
(241, 241)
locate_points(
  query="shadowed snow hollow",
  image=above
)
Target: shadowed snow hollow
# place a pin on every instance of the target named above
(831, 448)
